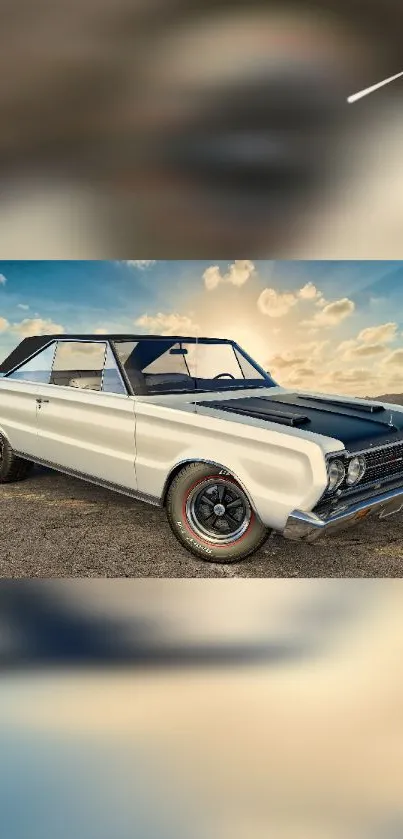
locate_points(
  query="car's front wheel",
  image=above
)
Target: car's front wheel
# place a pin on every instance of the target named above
(12, 467)
(211, 515)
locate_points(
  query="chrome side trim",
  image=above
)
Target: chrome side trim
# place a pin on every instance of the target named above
(73, 473)
(308, 527)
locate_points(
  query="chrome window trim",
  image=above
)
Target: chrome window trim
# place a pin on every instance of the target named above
(103, 366)
(67, 389)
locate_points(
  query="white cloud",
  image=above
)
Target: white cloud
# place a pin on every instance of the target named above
(3, 279)
(349, 350)
(283, 361)
(36, 326)
(303, 357)
(346, 346)
(369, 342)
(332, 313)
(101, 331)
(309, 292)
(367, 350)
(302, 376)
(22, 306)
(314, 349)
(4, 324)
(395, 357)
(348, 377)
(305, 372)
(139, 263)
(383, 333)
(276, 304)
(238, 274)
(168, 323)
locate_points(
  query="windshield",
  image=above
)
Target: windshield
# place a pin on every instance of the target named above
(172, 365)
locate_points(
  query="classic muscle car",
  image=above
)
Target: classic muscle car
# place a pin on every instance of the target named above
(197, 426)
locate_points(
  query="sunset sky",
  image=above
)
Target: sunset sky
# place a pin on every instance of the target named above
(331, 326)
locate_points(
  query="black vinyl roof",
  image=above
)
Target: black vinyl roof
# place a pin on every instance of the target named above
(30, 346)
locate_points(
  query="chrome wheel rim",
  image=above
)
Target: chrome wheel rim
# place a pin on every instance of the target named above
(218, 511)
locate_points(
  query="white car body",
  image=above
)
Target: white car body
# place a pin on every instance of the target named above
(136, 443)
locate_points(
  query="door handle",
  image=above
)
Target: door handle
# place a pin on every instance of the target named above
(39, 401)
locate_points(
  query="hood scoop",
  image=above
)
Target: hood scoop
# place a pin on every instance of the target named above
(357, 426)
(343, 403)
(375, 414)
(270, 415)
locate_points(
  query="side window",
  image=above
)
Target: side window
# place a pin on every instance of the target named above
(112, 380)
(79, 364)
(38, 369)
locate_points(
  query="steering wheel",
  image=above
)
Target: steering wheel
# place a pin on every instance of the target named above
(221, 375)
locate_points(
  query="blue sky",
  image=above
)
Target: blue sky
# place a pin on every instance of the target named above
(83, 292)
(293, 315)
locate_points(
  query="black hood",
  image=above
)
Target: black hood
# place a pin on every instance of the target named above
(355, 425)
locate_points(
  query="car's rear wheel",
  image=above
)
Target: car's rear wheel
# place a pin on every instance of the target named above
(211, 515)
(12, 467)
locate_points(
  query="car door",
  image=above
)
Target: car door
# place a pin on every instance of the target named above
(86, 419)
(18, 401)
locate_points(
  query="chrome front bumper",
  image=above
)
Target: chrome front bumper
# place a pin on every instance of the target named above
(309, 526)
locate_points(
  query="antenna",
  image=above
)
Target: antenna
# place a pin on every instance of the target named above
(371, 89)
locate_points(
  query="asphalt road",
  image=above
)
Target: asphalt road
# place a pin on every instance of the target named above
(55, 526)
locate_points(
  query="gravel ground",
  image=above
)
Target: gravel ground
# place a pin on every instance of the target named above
(55, 526)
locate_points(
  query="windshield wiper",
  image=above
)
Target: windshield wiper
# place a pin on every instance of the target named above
(209, 389)
(252, 387)
(177, 390)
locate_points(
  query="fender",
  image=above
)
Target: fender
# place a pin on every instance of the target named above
(222, 470)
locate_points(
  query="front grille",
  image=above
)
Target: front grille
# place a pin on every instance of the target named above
(383, 463)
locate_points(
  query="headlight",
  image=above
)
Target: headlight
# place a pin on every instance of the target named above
(337, 473)
(356, 470)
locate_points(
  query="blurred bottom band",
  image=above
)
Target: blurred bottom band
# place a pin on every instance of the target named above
(302, 744)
